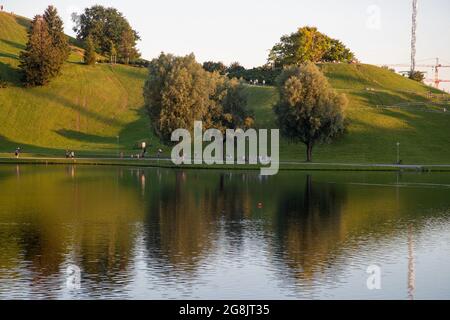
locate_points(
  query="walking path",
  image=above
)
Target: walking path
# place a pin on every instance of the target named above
(167, 161)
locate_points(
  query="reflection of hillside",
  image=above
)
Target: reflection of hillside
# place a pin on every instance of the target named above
(178, 223)
(318, 224)
(66, 214)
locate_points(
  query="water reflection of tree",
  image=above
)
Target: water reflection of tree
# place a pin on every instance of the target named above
(308, 227)
(178, 225)
(190, 212)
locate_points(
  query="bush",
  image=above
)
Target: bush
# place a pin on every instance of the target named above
(3, 84)
(417, 76)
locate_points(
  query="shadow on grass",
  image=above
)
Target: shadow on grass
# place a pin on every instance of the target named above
(9, 146)
(86, 137)
(8, 55)
(10, 74)
(382, 98)
(24, 22)
(76, 107)
(13, 44)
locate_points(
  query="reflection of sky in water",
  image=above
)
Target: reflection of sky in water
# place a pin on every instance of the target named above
(203, 235)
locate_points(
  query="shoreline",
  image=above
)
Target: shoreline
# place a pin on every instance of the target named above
(166, 163)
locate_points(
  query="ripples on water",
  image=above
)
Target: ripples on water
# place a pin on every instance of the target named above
(166, 234)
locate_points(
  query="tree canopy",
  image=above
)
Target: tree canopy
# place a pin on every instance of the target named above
(109, 29)
(416, 76)
(212, 66)
(90, 57)
(309, 110)
(37, 61)
(60, 43)
(308, 44)
(178, 91)
(47, 49)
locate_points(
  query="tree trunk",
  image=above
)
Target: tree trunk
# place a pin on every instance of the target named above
(309, 147)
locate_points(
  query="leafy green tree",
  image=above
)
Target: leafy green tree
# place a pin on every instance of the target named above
(417, 76)
(112, 53)
(308, 44)
(127, 47)
(235, 68)
(336, 51)
(212, 66)
(90, 57)
(37, 61)
(60, 42)
(178, 91)
(234, 104)
(309, 110)
(106, 26)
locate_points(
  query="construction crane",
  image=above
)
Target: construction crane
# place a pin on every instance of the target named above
(436, 79)
(435, 67)
(412, 67)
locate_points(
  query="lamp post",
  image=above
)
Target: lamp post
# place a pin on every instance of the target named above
(398, 152)
(118, 146)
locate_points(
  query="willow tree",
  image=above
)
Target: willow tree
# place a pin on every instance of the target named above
(178, 91)
(309, 110)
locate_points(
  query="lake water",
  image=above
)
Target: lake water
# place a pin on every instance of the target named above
(172, 234)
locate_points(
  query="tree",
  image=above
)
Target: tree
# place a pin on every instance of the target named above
(234, 105)
(106, 26)
(112, 53)
(308, 44)
(309, 110)
(337, 51)
(37, 61)
(178, 91)
(235, 67)
(60, 43)
(127, 47)
(90, 57)
(212, 66)
(417, 76)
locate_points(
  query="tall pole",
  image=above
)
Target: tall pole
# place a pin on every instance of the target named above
(398, 152)
(413, 36)
(118, 146)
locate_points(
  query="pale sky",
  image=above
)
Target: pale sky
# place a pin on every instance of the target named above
(377, 31)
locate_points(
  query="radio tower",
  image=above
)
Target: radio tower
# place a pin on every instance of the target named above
(413, 36)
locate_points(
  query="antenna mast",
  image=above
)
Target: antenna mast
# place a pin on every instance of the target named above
(413, 36)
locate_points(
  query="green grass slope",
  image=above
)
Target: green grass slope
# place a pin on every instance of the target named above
(99, 110)
(88, 108)
(384, 108)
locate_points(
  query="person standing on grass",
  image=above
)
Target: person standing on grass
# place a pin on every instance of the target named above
(17, 152)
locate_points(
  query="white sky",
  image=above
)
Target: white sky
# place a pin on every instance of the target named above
(378, 31)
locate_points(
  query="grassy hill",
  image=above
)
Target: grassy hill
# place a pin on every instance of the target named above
(85, 109)
(98, 110)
